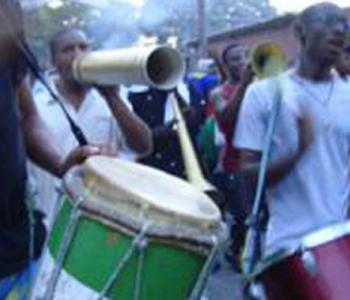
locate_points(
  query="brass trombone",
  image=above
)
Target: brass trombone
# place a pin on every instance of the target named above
(192, 167)
(268, 59)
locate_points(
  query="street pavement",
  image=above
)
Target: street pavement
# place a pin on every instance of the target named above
(224, 284)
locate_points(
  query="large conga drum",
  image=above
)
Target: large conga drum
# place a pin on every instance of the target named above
(129, 232)
(319, 269)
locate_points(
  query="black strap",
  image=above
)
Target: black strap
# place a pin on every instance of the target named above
(33, 66)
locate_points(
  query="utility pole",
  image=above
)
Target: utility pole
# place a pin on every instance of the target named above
(202, 29)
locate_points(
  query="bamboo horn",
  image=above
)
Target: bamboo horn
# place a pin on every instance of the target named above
(161, 67)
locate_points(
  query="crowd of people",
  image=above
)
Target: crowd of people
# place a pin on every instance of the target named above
(227, 111)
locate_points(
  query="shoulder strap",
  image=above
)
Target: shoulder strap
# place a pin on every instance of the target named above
(248, 259)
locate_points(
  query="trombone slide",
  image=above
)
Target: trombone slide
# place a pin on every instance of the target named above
(192, 167)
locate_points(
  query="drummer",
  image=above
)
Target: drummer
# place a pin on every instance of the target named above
(307, 176)
(101, 113)
(21, 132)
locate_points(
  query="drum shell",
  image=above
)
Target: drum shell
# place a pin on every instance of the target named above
(116, 200)
(316, 273)
(171, 267)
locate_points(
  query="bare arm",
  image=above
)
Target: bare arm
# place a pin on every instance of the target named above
(137, 133)
(40, 147)
(278, 170)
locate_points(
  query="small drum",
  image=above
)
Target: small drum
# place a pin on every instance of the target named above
(318, 270)
(129, 232)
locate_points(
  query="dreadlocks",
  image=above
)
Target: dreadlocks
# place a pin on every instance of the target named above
(12, 36)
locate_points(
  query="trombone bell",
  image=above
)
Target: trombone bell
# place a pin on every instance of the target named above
(268, 59)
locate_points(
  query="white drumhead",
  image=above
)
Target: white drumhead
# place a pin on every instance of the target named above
(127, 185)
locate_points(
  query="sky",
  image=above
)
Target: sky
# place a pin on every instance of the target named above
(282, 5)
(298, 5)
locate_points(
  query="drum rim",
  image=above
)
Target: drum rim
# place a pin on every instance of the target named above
(139, 198)
(325, 235)
(273, 259)
(102, 211)
(309, 241)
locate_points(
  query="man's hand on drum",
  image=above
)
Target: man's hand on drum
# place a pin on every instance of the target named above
(78, 156)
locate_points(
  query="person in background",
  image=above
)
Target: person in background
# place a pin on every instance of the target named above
(154, 107)
(226, 100)
(200, 84)
(103, 116)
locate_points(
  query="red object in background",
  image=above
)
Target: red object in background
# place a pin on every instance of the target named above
(321, 272)
(229, 156)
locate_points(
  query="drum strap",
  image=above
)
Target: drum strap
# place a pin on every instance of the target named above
(139, 244)
(206, 271)
(30, 207)
(32, 63)
(63, 249)
(252, 237)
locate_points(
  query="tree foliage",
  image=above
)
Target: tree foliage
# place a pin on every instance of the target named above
(121, 24)
(227, 14)
(180, 15)
(44, 21)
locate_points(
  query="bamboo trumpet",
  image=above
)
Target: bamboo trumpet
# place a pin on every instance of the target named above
(161, 67)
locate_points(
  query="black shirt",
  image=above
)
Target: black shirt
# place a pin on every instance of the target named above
(14, 215)
(166, 154)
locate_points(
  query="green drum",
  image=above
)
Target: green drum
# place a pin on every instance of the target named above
(129, 232)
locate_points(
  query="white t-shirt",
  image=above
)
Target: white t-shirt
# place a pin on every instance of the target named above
(97, 123)
(315, 193)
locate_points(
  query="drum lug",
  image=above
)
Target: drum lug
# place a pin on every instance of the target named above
(142, 244)
(310, 262)
(254, 291)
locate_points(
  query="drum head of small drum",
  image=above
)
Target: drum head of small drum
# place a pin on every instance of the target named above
(141, 193)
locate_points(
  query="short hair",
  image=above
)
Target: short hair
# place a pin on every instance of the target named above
(226, 52)
(56, 38)
(308, 15)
